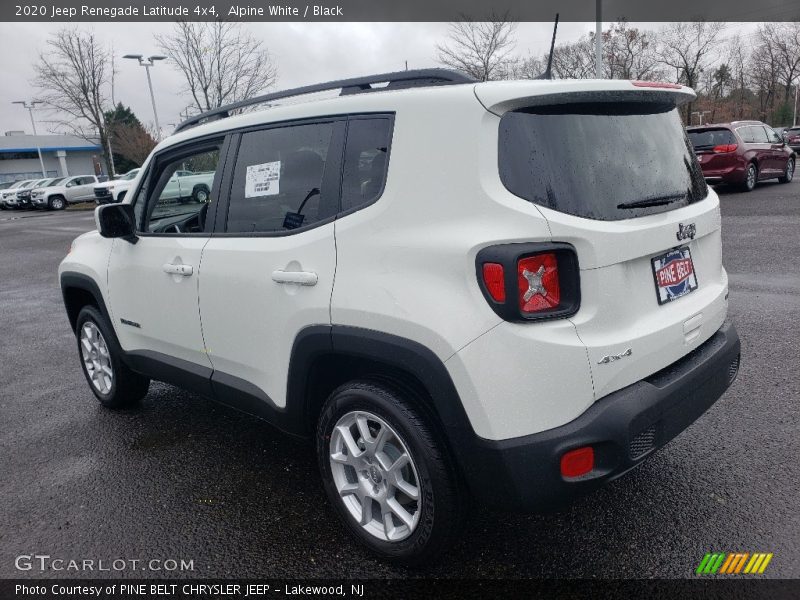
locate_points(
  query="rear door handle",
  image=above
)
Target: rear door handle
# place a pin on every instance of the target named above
(185, 270)
(296, 277)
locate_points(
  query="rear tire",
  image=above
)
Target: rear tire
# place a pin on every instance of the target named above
(750, 178)
(57, 203)
(397, 491)
(111, 381)
(789, 174)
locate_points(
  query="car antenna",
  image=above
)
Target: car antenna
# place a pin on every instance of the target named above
(548, 72)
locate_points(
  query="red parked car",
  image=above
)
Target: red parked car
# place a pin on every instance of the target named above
(792, 137)
(742, 153)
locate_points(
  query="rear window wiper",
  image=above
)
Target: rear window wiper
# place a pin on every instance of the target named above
(658, 201)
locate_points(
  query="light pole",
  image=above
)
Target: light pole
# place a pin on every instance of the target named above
(794, 118)
(30, 105)
(598, 40)
(147, 63)
(700, 114)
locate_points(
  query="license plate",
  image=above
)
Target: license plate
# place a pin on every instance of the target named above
(674, 274)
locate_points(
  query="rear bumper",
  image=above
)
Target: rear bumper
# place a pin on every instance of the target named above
(732, 174)
(624, 428)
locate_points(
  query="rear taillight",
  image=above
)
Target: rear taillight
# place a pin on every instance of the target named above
(537, 283)
(530, 281)
(724, 148)
(493, 279)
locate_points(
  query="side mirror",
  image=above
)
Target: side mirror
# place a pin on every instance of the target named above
(116, 221)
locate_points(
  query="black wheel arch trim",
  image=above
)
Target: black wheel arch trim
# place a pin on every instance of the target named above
(71, 280)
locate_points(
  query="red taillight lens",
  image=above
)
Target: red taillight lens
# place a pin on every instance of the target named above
(723, 148)
(493, 278)
(577, 462)
(537, 280)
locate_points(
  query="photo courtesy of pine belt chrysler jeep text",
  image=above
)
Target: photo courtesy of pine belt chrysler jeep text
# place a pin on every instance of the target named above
(510, 292)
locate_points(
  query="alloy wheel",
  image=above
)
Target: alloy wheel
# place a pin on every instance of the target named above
(789, 170)
(751, 177)
(375, 475)
(96, 358)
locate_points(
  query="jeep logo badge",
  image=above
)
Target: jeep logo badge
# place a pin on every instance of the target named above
(686, 232)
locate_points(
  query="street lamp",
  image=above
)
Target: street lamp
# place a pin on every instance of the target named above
(147, 63)
(30, 105)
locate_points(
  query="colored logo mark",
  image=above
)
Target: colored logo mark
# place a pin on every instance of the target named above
(733, 563)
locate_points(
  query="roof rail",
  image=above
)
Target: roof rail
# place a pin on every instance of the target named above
(356, 85)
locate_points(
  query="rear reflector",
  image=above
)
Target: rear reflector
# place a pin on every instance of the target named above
(577, 462)
(537, 280)
(724, 148)
(493, 279)
(657, 84)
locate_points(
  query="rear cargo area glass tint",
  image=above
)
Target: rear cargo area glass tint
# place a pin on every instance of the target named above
(595, 160)
(705, 139)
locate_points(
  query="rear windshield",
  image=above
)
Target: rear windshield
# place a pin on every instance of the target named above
(708, 138)
(605, 161)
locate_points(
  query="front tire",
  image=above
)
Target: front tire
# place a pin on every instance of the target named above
(57, 203)
(387, 474)
(789, 173)
(111, 381)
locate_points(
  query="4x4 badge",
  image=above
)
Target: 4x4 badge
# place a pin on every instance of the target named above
(612, 357)
(686, 231)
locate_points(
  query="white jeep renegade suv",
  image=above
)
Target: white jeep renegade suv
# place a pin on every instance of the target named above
(511, 291)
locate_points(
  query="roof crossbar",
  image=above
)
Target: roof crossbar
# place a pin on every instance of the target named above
(355, 85)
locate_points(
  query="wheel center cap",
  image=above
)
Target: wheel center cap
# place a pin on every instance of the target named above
(375, 474)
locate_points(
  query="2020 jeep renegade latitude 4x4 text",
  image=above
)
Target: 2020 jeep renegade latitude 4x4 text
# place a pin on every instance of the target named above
(511, 291)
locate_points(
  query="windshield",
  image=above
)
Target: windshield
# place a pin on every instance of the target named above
(130, 175)
(708, 138)
(56, 181)
(605, 161)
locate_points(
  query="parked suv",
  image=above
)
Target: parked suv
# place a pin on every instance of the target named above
(8, 197)
(742, 153)
(115, 190)
(418, 278)
(792, 137)
(79, 188)
(24, 193)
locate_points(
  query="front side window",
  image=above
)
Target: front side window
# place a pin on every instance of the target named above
(179, 204)
(277, 181)
(600, 160)
(773, 137)
(366, 160)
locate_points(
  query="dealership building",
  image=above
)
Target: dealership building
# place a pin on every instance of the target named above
(62, 155)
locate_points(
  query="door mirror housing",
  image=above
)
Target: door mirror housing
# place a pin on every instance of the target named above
(116, 221)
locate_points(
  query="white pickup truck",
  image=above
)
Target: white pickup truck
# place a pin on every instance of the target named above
(115, 190)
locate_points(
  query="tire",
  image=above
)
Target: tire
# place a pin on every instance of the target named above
(111, 381)
(56, 203)
(426, 525)
(750, 178)
(200, 194)
(789, 174)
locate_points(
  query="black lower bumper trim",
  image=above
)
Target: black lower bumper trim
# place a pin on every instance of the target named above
(624, 428)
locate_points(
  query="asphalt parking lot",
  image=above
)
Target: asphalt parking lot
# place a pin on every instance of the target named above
(183, 478)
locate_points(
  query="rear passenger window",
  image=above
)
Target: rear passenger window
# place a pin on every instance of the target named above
(366, 160)
(277, 181)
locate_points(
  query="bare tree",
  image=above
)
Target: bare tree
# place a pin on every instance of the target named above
(686, 48)
(72, 74)
(480, 49)
(783, 40)
(134, 142)
(574, 60)
(629, 53)
(220, 61)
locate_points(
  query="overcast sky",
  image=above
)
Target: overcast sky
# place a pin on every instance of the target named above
(304, 53)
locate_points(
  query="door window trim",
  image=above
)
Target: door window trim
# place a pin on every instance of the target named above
(194, 146)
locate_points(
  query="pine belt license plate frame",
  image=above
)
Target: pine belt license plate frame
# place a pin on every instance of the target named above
(674, 275)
